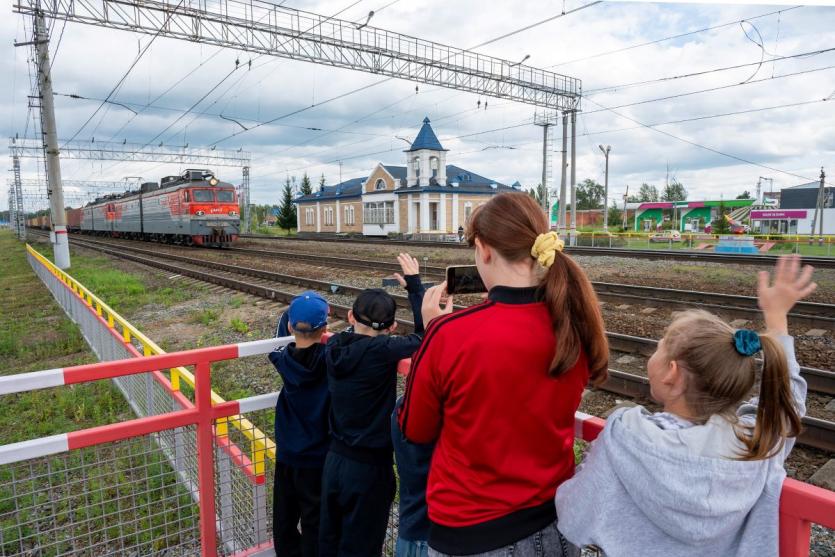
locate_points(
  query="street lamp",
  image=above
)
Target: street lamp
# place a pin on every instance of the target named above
(520, 61)
(606, 188)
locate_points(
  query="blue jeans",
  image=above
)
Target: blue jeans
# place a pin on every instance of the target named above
(548, 542)
(405, 548)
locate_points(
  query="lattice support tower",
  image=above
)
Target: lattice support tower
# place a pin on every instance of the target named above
(266, 28)
(17, 190)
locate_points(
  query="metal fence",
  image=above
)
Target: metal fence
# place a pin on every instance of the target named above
(189, 475)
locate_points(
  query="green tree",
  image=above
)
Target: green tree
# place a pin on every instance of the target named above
(720, 223)
(744, 195)
(287, 210)
(322, 182)
(674, 191)
(590, 195)
(615, 215)
(537, 194)
(306, 188)
(648, 193)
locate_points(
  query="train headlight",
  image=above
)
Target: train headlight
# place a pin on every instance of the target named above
(233, 213)
(213, 181)
(200, 213)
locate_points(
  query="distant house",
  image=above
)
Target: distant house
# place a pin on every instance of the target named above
(271, 220)
(427, 195)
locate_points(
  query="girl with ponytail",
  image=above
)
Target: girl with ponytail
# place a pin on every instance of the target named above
(702, 477)
(497, 385)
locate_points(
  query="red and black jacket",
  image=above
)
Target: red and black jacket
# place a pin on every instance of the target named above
(479, 384)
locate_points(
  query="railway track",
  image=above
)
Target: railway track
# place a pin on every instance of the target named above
(809, 314)
(681, 255)
(817, 433)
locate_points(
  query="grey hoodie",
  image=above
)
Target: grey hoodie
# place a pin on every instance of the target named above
(643, 490)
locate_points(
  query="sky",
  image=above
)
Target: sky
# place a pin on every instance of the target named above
(644, 100)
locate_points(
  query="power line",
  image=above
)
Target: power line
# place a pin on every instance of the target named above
(127, 73)
(670, 38)
(699, 145)
(705, 72)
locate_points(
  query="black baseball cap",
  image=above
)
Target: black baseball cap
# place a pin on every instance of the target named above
(375, 308)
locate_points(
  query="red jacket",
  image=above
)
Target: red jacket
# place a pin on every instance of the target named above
(479, 383)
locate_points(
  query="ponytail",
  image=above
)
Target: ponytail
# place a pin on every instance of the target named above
(720, 368)
(576, 318)
(511, 223)
(777, 416)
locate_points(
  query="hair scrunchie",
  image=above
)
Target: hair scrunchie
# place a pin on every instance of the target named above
(545, 248)
(747, 342)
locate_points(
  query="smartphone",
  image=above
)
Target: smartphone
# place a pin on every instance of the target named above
(464, 279)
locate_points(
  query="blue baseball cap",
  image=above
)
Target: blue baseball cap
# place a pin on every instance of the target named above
(309, 308)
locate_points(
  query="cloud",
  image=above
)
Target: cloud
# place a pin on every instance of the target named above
(360, 129)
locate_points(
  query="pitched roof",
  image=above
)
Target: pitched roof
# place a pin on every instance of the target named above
(397, 172)
(426, 139)
(348, 188)
(468, 182)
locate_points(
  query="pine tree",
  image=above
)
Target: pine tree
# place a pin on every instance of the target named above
(322, 182)
(287, 210)
(306, 188)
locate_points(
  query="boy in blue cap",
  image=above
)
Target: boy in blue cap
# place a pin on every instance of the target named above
(301, 427)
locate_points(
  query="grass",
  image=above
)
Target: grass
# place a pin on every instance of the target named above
(94, 496)
(239, 326)
(205, 317)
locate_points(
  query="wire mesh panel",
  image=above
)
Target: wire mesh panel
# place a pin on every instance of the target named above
(120, 498)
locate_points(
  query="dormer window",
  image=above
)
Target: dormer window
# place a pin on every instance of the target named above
(380, 184)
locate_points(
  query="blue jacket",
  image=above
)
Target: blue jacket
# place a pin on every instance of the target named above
(413, 469)
(301, 413)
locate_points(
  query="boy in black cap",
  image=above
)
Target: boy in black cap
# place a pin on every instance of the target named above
(301, 427)
(358, 481)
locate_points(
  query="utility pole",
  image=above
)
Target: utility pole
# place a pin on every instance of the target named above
(606, 189)
(546, 121)
(55, 191)
(562, 226)
(573, 231)
(819, 206)
(16, 195)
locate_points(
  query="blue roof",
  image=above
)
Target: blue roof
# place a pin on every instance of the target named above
(468, 182)
(348, 188)
(426, 139)
(397, 172)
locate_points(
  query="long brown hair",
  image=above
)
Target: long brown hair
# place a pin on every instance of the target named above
(719, 378)
(510, 223)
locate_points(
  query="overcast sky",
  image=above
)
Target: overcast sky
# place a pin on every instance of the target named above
(360, 129)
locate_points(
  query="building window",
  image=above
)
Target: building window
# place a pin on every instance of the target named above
(351, 214)
(416, 166)
(329, 216)
(433, 166)
(308, 216)
(380, 185)
(381, 212)
(468, 210)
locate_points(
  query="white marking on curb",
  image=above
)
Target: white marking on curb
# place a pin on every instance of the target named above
(258, 402)
(25, 450)
(30, 381)
(262, 346)
(579, 419)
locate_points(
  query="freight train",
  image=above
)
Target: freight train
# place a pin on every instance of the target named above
(193, 209)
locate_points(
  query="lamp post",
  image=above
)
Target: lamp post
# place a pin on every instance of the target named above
(606, 188)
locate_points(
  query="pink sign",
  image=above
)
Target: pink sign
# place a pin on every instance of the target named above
(785, 214)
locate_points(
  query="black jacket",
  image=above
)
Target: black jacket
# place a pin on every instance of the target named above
(413, 462)
(301, 413)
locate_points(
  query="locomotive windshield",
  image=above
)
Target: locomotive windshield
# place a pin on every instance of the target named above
(204, 196)
(225, 196)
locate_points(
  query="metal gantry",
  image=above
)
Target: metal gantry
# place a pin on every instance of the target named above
(134, 152)
(266, 28)
(17, 214)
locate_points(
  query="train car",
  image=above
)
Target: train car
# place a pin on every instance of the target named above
(193, 209)
(74, 220)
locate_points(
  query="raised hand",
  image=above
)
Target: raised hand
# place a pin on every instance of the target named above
(436, 302)
(791, 284)
(409, 265)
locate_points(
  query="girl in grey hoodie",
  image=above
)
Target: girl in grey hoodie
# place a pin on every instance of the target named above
(703, 477)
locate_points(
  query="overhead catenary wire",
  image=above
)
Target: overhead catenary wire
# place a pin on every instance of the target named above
(671, 37)
(127, 73)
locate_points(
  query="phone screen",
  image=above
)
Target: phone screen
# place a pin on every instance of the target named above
(464, 279)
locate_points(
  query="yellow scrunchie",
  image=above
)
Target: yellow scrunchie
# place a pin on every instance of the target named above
(545, 248)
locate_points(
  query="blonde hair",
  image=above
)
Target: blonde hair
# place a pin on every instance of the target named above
(719, 378)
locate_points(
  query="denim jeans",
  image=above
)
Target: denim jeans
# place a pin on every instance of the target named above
(548, 542)
(405, 548)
